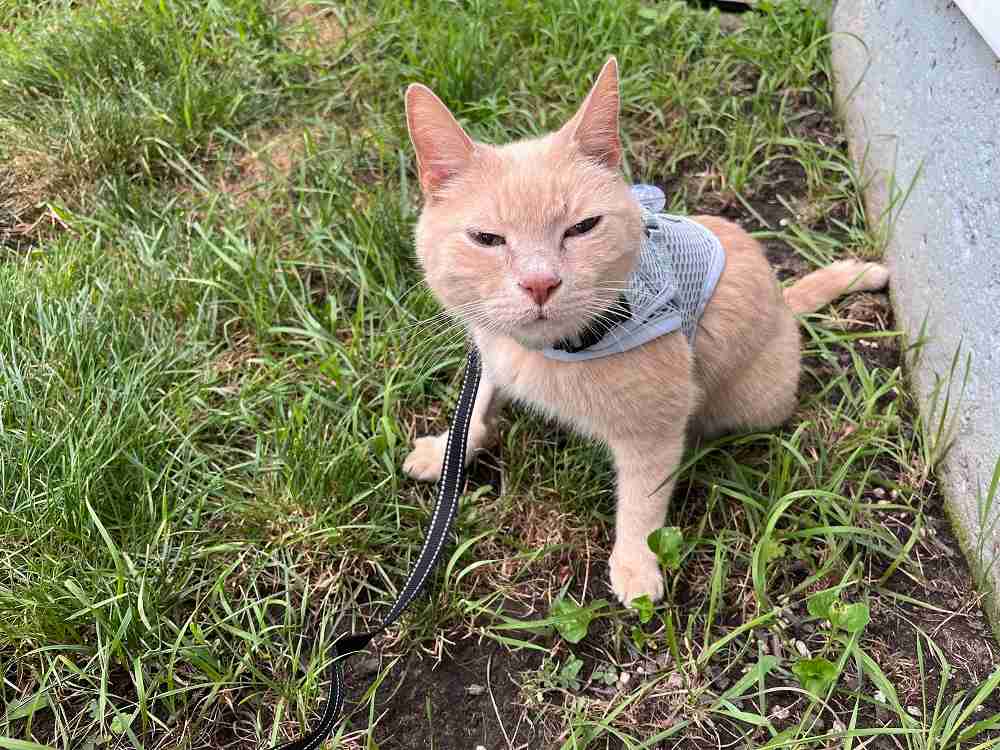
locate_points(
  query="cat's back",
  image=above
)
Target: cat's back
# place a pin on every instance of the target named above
(747, 296)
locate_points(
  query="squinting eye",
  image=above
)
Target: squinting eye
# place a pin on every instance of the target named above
(486, 239)
(583, 227)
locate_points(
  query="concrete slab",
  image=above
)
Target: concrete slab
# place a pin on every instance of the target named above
(919, 89)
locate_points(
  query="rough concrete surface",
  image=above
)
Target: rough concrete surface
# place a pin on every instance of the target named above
(917, 85)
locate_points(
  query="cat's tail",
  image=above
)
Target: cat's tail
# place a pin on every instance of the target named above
(821, 287)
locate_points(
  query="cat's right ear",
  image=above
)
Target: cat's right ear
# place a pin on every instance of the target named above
(443, 149)
(594, 128)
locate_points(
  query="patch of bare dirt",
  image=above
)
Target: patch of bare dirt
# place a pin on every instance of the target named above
(472, 698)
(232, 363)
(313, 26)
(22, 200)
(265, 167)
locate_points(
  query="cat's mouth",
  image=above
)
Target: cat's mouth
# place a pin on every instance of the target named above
(552, 327)
(543, 327)
(544, 317)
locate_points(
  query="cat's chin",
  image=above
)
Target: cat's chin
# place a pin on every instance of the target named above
(534, 340)
(537, 334)
(533, 343)
(541, 334)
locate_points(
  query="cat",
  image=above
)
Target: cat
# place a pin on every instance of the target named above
(527, 243)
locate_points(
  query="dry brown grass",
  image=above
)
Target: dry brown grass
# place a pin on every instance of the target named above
(313, 26)
(24, 193)
(266, 166)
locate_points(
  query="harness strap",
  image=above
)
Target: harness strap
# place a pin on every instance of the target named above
(449, 491)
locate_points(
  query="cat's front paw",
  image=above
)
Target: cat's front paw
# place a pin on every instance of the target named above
(424, 461)
(634, 574)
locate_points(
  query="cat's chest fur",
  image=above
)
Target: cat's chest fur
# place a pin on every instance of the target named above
(635, 391)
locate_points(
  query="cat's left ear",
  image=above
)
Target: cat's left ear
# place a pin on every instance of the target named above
(594, 128)
(443, 149)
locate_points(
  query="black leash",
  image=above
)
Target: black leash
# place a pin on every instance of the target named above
(449, 490)
(727, 6)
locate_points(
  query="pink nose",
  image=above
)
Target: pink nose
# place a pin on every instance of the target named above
(540, 286)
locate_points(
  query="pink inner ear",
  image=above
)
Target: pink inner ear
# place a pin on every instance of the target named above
(443, 149)
(594, 128)
(433, 176)
(600, 141)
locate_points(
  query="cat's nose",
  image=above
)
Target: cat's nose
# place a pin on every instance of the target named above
(539, 286)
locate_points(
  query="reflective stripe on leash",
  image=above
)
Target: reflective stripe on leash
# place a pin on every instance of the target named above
(449, 491)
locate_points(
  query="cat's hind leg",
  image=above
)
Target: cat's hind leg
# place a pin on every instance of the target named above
(761, 395)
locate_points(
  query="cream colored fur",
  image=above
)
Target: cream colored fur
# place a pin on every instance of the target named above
(741, 375)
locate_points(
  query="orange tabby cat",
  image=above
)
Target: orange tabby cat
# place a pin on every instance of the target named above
(509, 245)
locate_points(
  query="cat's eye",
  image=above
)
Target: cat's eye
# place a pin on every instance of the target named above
(486, 239)
(583, 227)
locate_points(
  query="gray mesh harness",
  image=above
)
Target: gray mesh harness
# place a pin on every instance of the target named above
(678, 267)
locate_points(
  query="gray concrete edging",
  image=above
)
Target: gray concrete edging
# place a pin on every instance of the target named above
(919, 92)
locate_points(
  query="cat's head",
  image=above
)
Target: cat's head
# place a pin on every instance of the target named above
(531, 239)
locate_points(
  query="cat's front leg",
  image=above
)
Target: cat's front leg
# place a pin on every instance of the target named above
(645, 482)
(424, 461)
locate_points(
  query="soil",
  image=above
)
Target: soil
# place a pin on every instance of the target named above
(469, 699)
(15, 208)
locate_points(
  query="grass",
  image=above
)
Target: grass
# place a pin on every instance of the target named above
(212, 363)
